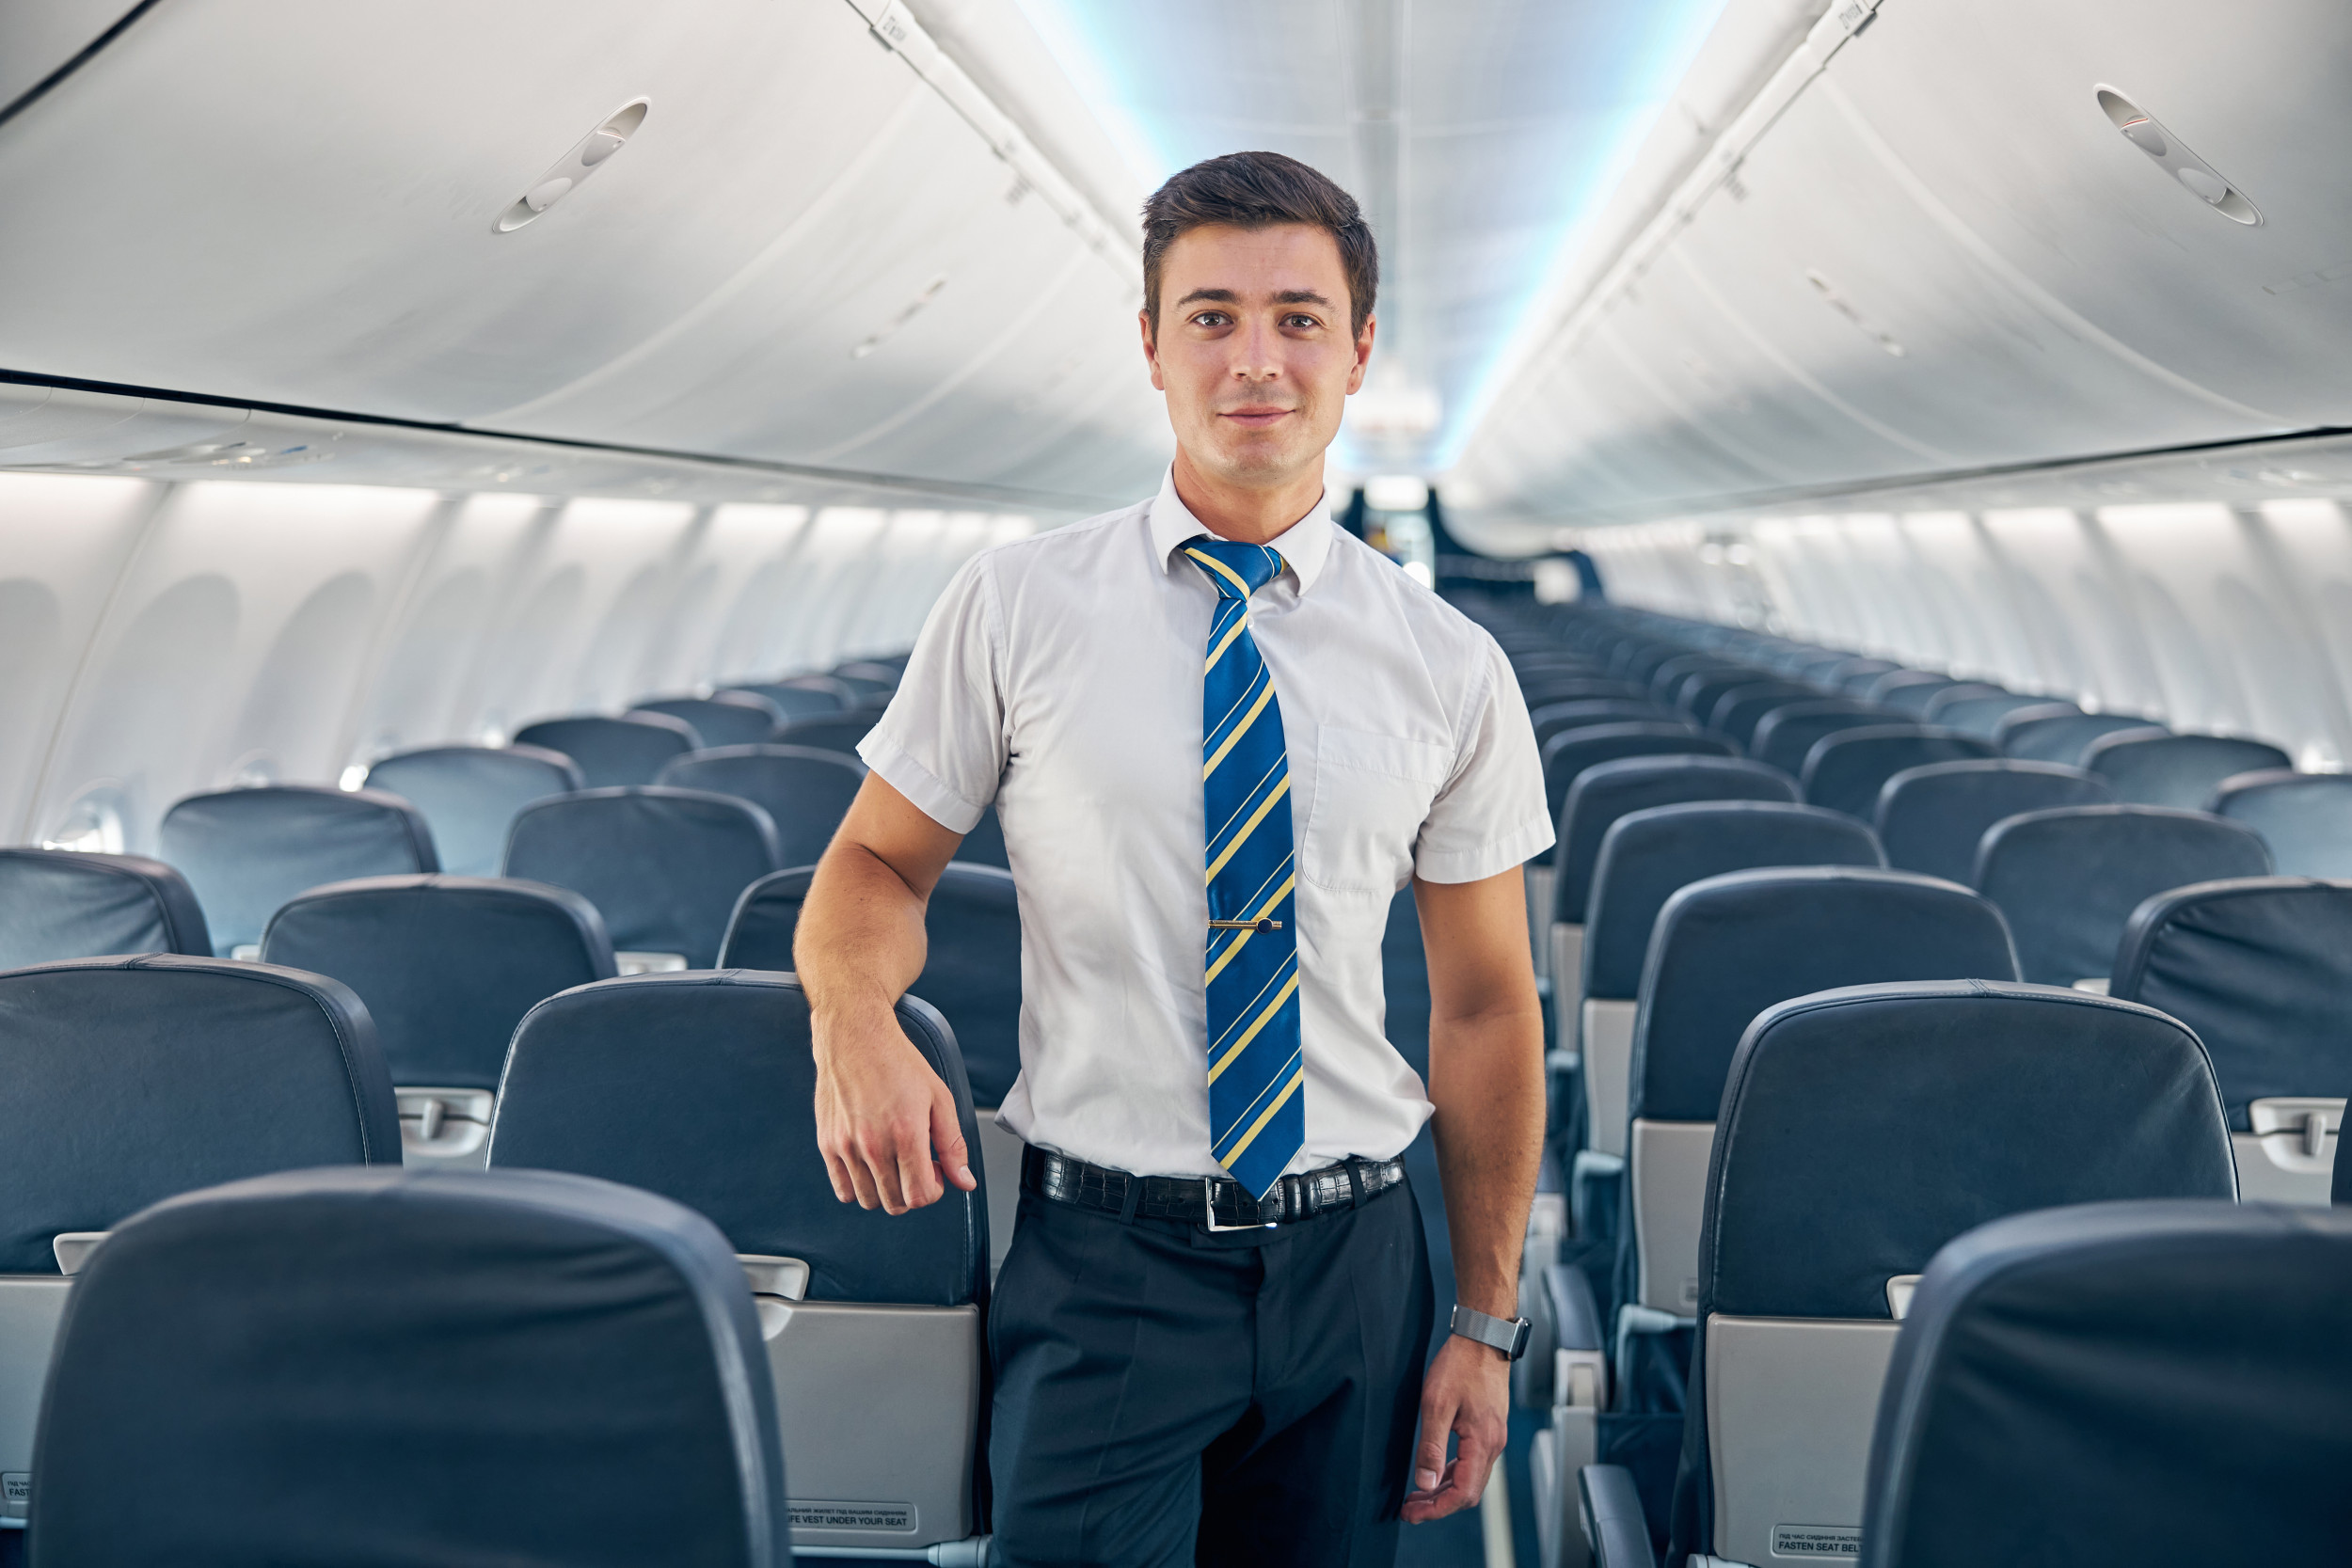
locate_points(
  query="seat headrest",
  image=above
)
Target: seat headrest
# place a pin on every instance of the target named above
(1726, 948)
(2063, 734)
(805, 790)
(663, 866)
(469, 794)
(2185, 770)
(1929, 818)
(2260, 968)
(1647, 855)
(1981, 716)
(1570, 751)
(614, 751)
(701, 1086)
(971, 966)
(2306, 818)
(1607, 791)
(245, 852)
(1787, 735)
(1737, 711)
(68, 904)
(2124, 1383)
(130, 1079)
(345, 1366)
(727, 719)
(1865, 1127)
(1845, 770)
(1582, 713)
(2068, 879)
(447, 965)
(795, 700)
(839, 732)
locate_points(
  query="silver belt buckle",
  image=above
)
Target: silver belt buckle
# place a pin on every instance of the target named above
(1208, 1211)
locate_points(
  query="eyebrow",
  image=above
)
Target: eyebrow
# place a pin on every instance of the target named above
(1227, 296)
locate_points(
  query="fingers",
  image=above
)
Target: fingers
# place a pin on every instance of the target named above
(1437, 1425)
(955, 1160)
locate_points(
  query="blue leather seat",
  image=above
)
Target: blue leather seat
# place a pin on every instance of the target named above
(840, 732)
(2260, 968)
(1852, 675)
(411, 1368)
(615, 752)
(801, 697)
(663, 866)
(1737, 711)
(1699, 693)
(469, 794)
(1933, 705)
(805, 790)
(2119, 1384)
(2306, 818)
(2069, 879)
(1845, 770)
(1981, 715)
(246, 852)
(1861, 1130)
(1567, 754)
(701, 1088)
(1931, 818)
(68, 903)
(1787, 735)
(2060, 735)
(1556, 717)
(1542, 687)
(1906, 691)
(722, 718)
(447, 966)
(2159, 768)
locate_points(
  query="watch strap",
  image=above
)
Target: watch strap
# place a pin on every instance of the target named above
(1507, 1335)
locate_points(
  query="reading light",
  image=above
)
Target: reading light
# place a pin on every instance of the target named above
(2194, 175)
(587, 155)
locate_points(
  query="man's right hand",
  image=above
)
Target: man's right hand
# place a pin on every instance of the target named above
(885, 1121)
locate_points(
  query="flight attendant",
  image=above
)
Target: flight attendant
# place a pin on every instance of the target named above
(1220, 734)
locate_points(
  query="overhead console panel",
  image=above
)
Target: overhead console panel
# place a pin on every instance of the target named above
(723, 227)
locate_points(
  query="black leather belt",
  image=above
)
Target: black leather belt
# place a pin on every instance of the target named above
(1213, 1203)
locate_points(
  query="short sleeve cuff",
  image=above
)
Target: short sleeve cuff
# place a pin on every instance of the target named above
(1491, 859)
(918, 784)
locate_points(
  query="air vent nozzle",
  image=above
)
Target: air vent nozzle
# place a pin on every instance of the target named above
(587, 155)
(2192, 173)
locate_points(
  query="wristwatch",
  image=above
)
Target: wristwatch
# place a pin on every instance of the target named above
(1507, 1335)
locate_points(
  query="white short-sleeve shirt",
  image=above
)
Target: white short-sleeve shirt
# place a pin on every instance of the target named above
(1060, 676)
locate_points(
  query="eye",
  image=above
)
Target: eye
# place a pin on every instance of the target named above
(1301, 323)
(1211, 319)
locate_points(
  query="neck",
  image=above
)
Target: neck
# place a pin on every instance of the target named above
(1248, 515)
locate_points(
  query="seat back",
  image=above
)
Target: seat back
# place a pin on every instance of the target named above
(518, 1367)
(1855, 676)
(470, 796)
(805, 791)
(246, 852)
(447, 966)
(1931, 818)
(2126, 1383)
(1607, 791)
(1787, 735)
(1981, 716)
(1698, 692)
(1845, 771)
(1570, 751)
(1554, 718)
(614, 751)
(839, 732)
(1726, 949)
(68, 903)
(971, 967)
(702, 1087)
(2261, 969)
(2156, 768)
(2069, 879)
(1862, 1130)
(1646, 858)
(2061, 734)
(1542, 687)
(1906, 691)
(722, 718)
(2306, 818)
(663, 866)
(803, 697)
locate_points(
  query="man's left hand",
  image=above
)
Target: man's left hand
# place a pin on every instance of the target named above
(1465, 1394)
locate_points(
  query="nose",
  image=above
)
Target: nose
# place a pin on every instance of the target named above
(1255, 359)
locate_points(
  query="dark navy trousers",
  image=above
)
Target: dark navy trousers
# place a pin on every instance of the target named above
(1165, 1396)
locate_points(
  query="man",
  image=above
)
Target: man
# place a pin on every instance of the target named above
(1220, 734)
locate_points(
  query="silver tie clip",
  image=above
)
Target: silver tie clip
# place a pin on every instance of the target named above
(1245, 925)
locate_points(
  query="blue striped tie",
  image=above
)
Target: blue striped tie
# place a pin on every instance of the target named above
(1257, 1078)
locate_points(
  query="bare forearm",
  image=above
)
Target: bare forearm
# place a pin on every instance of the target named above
(860, 944)
(1485, 1078)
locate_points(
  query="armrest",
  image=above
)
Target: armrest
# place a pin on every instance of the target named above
(1579, 1354)
(1610, 1513)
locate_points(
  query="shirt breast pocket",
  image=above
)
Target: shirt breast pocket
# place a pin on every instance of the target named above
(1372, 793)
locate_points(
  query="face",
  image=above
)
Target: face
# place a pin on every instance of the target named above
(1253, 349)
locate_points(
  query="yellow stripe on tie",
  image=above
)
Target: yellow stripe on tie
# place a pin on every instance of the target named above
(1239, 729)
(1263, 909)
(1240, 626)
(1248, 828)
(1214, 564)
(1251, 1033)
(1258, 1125)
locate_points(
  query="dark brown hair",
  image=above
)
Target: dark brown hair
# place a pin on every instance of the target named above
(1258, 190)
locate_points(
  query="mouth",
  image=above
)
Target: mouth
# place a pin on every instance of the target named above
(1255, 416)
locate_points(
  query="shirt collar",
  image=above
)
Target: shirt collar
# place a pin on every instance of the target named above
(1304, 545)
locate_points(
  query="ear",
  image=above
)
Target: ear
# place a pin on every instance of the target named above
(1363, 355)
(1152, 352)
